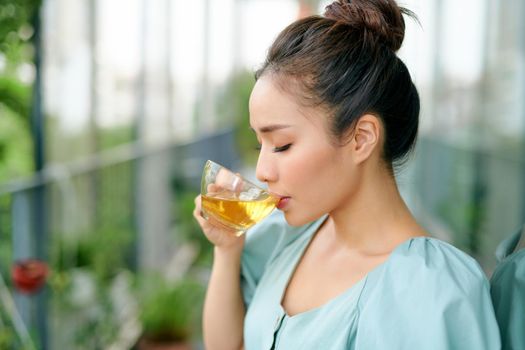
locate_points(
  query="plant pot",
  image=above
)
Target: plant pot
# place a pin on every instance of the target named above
(29, 275)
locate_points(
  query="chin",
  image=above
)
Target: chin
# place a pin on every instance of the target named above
(299, 220)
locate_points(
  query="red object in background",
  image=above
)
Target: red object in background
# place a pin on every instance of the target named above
(29, 275)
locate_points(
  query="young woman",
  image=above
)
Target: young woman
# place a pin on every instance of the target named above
(343, 264)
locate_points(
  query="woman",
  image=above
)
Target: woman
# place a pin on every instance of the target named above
(343, 264)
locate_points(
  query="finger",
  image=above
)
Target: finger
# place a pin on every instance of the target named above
(214, 188)
(197, 214)
(223, 177)
(201, 221)
(197, 211)
(214, 223)
(238, 183)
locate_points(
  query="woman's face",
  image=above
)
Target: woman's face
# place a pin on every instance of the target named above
(297, 160)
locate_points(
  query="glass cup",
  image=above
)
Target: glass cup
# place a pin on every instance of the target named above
(231, 200)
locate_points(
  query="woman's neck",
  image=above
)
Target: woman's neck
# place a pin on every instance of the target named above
(375, 219)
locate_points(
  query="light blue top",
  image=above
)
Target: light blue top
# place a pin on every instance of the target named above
(508, 293)
(427, 295)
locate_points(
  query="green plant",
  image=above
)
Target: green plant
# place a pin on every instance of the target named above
(171, 312)
(6, 338)
(15, 146)
(189, 230)
(17, 53)
(104, 251)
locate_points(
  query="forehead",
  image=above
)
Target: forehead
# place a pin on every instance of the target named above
(270, 105)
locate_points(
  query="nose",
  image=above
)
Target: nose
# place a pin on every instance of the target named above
(265, 170)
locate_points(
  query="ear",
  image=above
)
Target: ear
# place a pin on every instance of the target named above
(365, 137)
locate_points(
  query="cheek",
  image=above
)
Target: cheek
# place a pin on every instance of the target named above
(318, 181)
(314, 171)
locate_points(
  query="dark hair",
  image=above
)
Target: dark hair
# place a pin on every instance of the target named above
(346, 61)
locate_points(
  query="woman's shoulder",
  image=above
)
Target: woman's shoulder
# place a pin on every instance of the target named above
(431, 291)
(428, 257)
(423, 266)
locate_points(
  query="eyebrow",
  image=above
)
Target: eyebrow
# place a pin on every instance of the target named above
(270, 128)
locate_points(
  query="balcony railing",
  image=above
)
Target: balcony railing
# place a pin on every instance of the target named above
(91, 219)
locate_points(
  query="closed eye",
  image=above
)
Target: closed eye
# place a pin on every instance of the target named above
(276, 149)
(282, 148)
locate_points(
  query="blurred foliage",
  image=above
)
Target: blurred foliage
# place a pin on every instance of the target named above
(9, 339)
(463, 218)
(15, 146)
(16, 29)
(99, 326)
(15, 96)
(6, 338)
(6, 250)
(107, 245)
(232, 104)
(170, 312)
(115, 187)
(186, 226)
(98, 256)
(83, 308)
(104, 251)
(83, 143)
(116, 136)
(16, 55)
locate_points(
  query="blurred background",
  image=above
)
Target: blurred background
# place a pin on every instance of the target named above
(109, 109)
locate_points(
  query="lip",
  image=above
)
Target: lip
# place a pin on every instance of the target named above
(283, 203)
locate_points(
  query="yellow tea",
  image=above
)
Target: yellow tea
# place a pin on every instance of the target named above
(236, 213)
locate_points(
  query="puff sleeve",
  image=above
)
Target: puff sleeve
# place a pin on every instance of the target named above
(431, 296)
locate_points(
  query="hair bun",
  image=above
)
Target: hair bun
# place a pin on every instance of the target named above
(381, 18)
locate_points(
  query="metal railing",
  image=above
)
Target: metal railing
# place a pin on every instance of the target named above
(106, 213)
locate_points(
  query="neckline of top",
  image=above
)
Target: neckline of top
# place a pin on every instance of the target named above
(356, 286)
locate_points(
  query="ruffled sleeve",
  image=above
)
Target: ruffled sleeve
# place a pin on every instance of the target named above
(429, 296)
(263, 243)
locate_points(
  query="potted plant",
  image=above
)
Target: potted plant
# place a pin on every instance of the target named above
(170, 315)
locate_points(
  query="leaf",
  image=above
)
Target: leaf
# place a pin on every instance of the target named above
(15, 96)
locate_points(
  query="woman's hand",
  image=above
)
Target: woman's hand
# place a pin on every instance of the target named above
(223, 314)
(216, 233)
